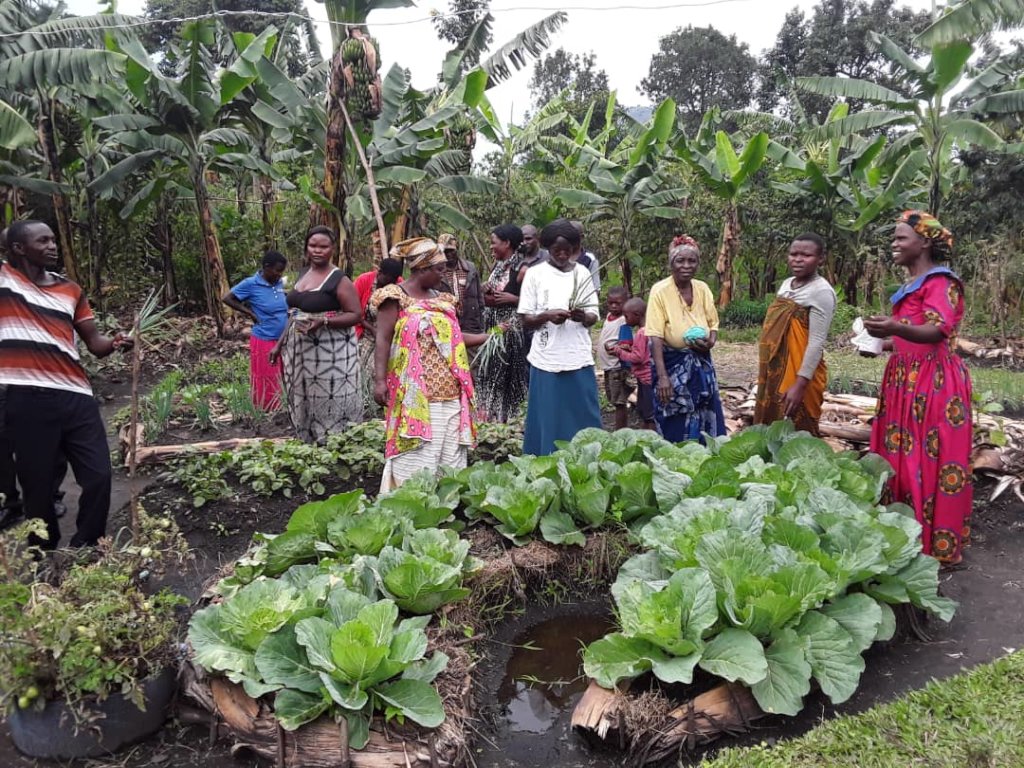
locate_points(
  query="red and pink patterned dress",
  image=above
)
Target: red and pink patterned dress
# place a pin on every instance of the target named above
(924, 426)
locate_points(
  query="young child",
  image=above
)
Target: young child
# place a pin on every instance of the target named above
(616, 378)
(637, 355)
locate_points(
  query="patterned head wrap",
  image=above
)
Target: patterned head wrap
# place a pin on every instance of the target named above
(418, 253)
(447, 242)
(682, 243)
(928, 227)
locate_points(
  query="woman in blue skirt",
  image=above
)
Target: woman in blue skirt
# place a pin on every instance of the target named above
(559, 303)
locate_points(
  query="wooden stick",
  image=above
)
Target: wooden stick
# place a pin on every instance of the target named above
(371, 183)
(346, 758)
(280, 746)
(154, 454)
(133, 435)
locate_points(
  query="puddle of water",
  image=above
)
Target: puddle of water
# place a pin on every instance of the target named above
(544, 676)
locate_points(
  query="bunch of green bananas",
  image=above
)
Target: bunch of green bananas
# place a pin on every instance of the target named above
(361, 71)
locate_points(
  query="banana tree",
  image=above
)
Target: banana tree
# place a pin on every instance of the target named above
(286, 119)
(181, 125)
(43, 59)
(355, 83)
(971, 19)
(625, 185)
(727, 176)
(939, 109)
(422, 140)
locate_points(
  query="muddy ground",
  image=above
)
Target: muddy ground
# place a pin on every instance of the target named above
(524, 724)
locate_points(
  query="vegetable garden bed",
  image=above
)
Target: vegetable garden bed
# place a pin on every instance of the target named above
(763, 560)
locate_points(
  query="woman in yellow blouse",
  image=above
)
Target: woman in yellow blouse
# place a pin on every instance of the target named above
(682, 324)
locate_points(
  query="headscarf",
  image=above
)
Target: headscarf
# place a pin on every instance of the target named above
(681, 243)
(447, 241)
(928, 227)
(418, 253)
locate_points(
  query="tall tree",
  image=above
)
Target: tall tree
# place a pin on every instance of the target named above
(834, 42)
(700, 68)
(579, 79)
(460, 25)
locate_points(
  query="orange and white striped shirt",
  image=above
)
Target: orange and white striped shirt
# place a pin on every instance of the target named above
(37, 332)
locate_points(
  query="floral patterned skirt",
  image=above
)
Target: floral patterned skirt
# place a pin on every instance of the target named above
(924, 428)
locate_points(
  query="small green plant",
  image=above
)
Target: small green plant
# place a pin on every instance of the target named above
(196, 398)
(158, 405)
(219, 371)
(237, 398)
(80, 626)
(986, 403)
(203, 477)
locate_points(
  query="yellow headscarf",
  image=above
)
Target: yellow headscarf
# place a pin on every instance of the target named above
(418, 253)
(928, 227)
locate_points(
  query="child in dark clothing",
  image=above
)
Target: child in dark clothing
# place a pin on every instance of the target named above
(637, 354)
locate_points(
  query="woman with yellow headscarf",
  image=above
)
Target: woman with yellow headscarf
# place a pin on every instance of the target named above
(421, 372)
(923, 425)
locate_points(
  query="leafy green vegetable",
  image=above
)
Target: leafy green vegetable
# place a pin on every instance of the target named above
(764, 558)
(427, 572)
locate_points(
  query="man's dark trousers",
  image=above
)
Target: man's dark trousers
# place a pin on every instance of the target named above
(42, 423)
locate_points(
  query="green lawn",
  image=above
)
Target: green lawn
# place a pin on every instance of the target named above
(972, 720)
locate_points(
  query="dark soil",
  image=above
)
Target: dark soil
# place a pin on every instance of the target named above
(990, 589)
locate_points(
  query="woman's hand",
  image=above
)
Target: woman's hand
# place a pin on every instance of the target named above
(380, 393)
(275, 354)
(664, 390)
(312, 326)
(881, 327)
(557, 316)
(793, 397)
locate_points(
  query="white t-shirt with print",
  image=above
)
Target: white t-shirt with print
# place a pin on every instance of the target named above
(565, 347)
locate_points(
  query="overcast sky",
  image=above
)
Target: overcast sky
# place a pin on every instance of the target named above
(623, 34)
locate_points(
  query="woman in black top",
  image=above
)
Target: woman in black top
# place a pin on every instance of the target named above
(321, 358)
(501, 384)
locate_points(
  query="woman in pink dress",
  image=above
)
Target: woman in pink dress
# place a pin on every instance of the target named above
(923, 426)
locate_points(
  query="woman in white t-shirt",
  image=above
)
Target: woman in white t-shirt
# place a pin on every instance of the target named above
(559, 303)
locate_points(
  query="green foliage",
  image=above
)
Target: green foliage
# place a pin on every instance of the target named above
(700, 68)
(764, 559)
(774, 564)
(272, 467)
(973, 718)
(85, 626)
(744, 313)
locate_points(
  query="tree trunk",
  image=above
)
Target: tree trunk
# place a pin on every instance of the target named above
(400, 229)
(270, 212)
(61, 205)
(165, 245)
(727, 254)
(333, 187)
(97, 254)
(215, 280)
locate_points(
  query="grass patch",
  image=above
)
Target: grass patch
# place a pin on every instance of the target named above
(750, 334)
(851, 373)
(975, 720)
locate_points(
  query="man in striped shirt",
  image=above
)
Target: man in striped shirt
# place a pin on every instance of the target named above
(50, 405)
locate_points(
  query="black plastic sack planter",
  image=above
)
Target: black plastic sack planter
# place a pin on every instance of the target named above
(50, 733)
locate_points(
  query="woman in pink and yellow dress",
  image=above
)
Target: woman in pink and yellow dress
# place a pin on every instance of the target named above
(422, 369)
